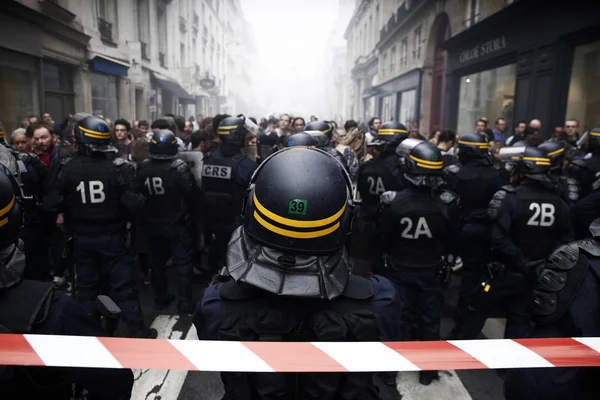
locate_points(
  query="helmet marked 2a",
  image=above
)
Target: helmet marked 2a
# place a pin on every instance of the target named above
(299, 201)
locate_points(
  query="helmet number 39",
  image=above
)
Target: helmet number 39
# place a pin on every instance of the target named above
(297, 206)
(95, 192)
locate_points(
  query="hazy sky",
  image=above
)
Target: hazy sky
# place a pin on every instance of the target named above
(290, 38)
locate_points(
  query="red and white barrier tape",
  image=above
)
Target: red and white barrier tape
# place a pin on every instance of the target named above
(100, 352)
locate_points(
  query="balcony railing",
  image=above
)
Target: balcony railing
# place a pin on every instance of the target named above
(144, 47)
(105, 29)
(161, 60)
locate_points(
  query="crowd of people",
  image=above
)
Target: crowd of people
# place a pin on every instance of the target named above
(274, 203)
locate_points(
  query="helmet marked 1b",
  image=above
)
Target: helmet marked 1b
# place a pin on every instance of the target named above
(93, 133)
(299, 200)
(163, 145)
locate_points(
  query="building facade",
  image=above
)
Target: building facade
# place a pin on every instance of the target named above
(135, 59)
(445, 64)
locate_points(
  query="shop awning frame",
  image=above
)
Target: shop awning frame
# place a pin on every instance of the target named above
(109, 65)
(174, 87)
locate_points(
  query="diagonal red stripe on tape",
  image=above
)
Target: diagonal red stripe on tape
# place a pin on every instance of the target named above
(563, 352)
(435, 355)
(146, 354)
(16, 350)
(294, 357)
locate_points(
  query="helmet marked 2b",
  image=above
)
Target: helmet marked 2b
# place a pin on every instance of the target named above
(299, 201)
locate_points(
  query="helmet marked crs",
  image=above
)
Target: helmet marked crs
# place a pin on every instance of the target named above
(233, 130)
(299, 200)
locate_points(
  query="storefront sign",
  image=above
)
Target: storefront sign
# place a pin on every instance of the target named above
(482, 49)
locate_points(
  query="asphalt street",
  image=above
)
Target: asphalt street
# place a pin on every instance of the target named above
(163, 385)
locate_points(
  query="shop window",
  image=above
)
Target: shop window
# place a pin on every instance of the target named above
(403, 52)
(58, 90)
(388, 107)
(408, 103)
(584, 90)
(104, 95)
(486, 94)
(17, 97)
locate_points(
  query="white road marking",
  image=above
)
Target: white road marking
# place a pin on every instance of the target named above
(162, 384)
(449, 387)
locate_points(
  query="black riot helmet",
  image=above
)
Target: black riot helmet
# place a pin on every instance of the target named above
(389, 136)
(163, 145)
(2, 139)
(531, 162)
(233, 130)
(300, 139)
(473, 146)
(592, 144)
(320, 126)
(93, 135)
(297, 217)
(422, 161)
(556, 150)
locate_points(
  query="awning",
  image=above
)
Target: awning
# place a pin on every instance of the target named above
(173, 86)
(109, 66)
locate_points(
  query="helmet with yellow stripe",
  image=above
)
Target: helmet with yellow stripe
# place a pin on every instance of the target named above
(93, 134)
(390, 135)
(163, 145)
(300, 139)
(533, 161)
(233, 130)
(297, 218)
(473, 146)
(556, 150)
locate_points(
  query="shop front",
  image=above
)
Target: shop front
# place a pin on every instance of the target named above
(399, 98)
(173, 97)
(106, 74)
(519, 65)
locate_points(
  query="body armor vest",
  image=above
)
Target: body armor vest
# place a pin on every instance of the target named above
(250, 314)
(223, 194)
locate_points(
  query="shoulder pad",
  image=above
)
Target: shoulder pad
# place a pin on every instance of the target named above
(146, 161)
(447, 197)
(590, 246)
(119, 161)
(558, 283)
(452, 169)
(387, 197)
(508, 188)
(177, 163)
(494, 206)
(64, 160)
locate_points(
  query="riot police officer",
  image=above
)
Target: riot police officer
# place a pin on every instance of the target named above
(33, 307)
(288, 278)
(300, 139)
(225, 175)
(418, 226)
(97, 198)
(375, 177)
(564, 304)
(33, 174)
(586, 170)
(566, 186)
(529, 220)
(475, 181)
(171, 192)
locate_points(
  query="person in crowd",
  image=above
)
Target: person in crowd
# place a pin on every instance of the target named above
(298, 124)
(271, 126)
(414, 131)
(283, 129)
(310, 294)
(251, 148)
(489, 133)
(446, 142)
(480, 125)
(586, 169)
(43, 141)
(557, 132)
(189, 128)
(355, 139)
(122, 137)
(374, 124)
(435, 136)
(20, 141)
(33, 119)
(47, 119)
(500, 130)
(144, 126)
(536, 125)
(572, 129)
(349, 125)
